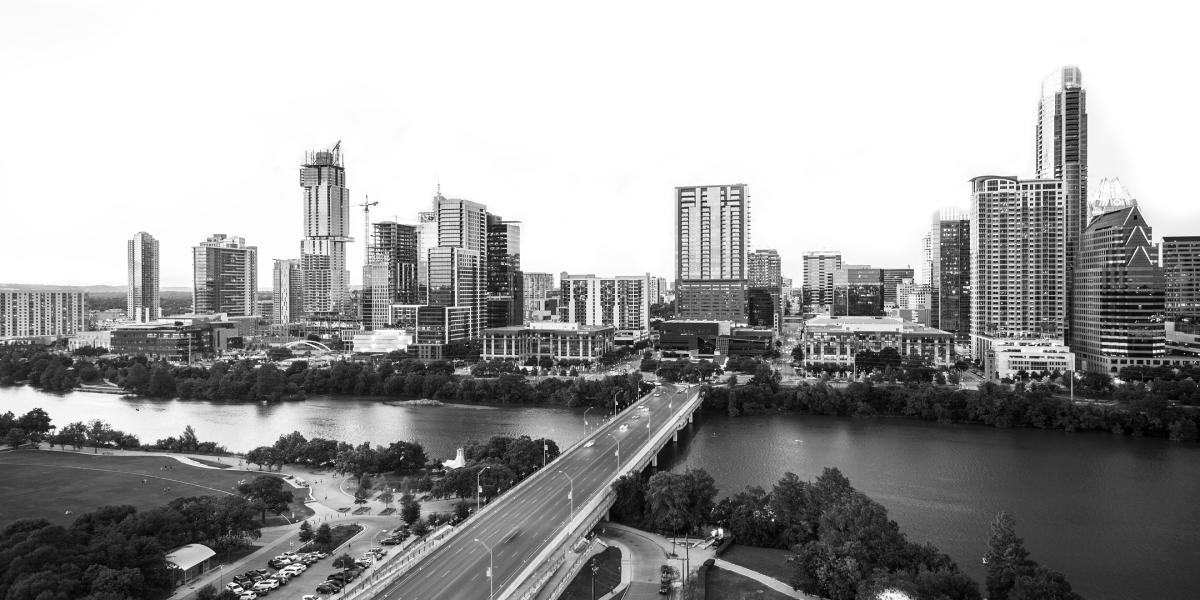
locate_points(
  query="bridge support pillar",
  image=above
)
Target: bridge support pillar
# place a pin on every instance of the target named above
(654, 461)
(691, 418)
(675, 438)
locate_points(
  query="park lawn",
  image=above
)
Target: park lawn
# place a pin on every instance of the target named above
(46, 484)
(771, 562)
(607, 578)
(728, 585)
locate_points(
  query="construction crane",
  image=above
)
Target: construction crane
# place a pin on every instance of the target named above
(367, 204)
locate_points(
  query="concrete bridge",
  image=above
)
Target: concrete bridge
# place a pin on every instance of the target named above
(512, 547)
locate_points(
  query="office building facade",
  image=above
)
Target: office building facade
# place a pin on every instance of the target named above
(38, 313)
(225, 276)
(142, 298)
(505, 282)
(1118, 297)
(1181, 272)
(287, 291)
(949, 247)
(764, 267)
(395, 246)
(819, 267)
(892, 278)
(536, 291)
(839, 339)
(619, 302)
(858, 292)
(1018, 260)
(326, 232)
(712, 238)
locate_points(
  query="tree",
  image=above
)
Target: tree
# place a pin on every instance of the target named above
(344, 561)
(323, 536)
(268, 493)
(306, 532)
(679, 501)
(1006, 557)
(386, 497)
(410, 509)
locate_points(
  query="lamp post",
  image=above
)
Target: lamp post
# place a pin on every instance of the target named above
(571, 493)
(618, 452)
(478, 488)
(585, 421)
(595, 568)
(490, 572)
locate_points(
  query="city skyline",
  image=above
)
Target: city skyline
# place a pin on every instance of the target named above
(525, 151)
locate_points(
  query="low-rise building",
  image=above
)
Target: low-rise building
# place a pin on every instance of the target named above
(188, 562)
(839, 339)
(1007, 357)
(550, 340)
(381, 341)
(173, 341)
(90, 339)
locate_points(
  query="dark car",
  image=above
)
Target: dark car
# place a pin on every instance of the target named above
(326, 588)
(389, 541)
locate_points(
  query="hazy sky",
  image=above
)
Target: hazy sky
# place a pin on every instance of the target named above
(851, 122)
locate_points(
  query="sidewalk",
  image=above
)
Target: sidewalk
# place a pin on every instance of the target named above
(770, 582)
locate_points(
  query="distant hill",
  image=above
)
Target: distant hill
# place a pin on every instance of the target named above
(91, 289)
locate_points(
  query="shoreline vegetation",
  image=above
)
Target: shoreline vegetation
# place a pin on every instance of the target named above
(1159, 403)
(841, 544)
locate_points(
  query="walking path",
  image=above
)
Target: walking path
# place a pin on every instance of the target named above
(766, 580)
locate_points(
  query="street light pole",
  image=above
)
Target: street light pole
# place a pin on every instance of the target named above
(490, 572)
(585, 421)
(478, 488)
(570, 494)
(595, 567)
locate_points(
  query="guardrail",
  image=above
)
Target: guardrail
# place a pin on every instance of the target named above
(399, 564)
(530, 579)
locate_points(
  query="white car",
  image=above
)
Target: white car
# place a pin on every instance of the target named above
(589, 443)
(235, 588)
(624, 426)
(264, 585)
(247, 596)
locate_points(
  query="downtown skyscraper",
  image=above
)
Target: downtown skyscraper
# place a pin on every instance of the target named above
(326, 232)
(142, 297)
(712, 239)
(1061, 154)
(949, 271)
(1018, 260)
(287, 291)
(225, 276)
(819, 267)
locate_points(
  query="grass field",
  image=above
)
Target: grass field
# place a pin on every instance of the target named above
(46, 484)
(728, 585)
(607, 577)
(771, 562)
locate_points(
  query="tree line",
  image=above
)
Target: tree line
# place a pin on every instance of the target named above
(293, 448)
(1138, 409)
(116, 552)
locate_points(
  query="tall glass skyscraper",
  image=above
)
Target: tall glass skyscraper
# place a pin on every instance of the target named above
(287, 287)
(949, 247)
(142, 298)
(326, 232)
(1061, 153)
(1118, 295)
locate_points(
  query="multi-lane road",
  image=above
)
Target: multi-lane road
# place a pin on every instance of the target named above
(521, 522)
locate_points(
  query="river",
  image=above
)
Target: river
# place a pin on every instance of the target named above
(1119, 516)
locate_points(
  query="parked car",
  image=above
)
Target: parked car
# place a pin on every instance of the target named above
(390, 541)
(265, 586)
(235, 588)
(247, 596)
(326, 588)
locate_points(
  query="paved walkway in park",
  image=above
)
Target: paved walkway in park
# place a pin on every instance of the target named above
(764, 579)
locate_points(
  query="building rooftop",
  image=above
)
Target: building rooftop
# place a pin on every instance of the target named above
(186, 557)
(870, 324)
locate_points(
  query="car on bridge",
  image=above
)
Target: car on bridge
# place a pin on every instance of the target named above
(589, 443)
(624, 427)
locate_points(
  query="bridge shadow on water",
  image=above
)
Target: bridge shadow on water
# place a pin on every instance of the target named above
(673, 452)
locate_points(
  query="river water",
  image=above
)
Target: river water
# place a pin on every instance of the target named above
(1119, 516)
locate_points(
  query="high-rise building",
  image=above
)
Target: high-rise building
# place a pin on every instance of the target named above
(711, 243)
(142, 299)
(49, 312)
(1018, 260)
(949, 244)
(819, 267)
(459, 277)
(620, 302)
(326, 232)
(537, 288)
(1061, 154)
(857, 292)
(375, 297)
(1181, 269)
(764, 307)
(505, 283)
(395, 246)
(225, 276)
(1118, 295)
(764, 266)
(427, 239)
(892, 278)
(287, 291)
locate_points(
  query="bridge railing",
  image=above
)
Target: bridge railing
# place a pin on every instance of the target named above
(543, 566)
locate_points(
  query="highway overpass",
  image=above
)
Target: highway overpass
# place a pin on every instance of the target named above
(524, 533)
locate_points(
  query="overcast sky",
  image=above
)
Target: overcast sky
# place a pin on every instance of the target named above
(851, 122)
